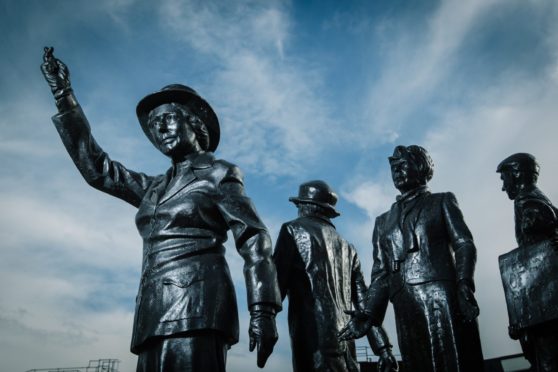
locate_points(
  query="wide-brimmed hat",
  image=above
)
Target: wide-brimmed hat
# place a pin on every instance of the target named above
(178, 93)
(319, 193)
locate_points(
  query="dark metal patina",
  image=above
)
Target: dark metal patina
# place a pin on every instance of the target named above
(320, 273)
(424, 260)
(186, 313)
(530, 272)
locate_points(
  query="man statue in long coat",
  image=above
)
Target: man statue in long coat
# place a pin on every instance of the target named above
(320, 273)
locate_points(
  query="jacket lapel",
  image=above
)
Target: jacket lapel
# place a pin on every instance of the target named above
(396, 241)
(185, 177)
(408, 207)
(411, 206)
(177, 183)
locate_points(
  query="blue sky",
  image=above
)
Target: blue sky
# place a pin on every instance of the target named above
(304, 90)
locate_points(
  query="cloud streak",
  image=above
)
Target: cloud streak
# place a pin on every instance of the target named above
(516, 114)
(267, 101)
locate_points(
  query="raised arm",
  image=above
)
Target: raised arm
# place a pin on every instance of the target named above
(93, 163)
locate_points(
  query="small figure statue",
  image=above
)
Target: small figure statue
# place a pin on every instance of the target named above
(186, 314)
(320, 272)
(424, 260)
(536, 222)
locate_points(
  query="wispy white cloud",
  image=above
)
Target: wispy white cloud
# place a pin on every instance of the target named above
(415, 63)
(70, 255)
(467, 146)
(515, 114)
(268, 102)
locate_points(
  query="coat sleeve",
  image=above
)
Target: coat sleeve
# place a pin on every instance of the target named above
(537, 218)
(378, 339)
(358, 286)
(251, 239)
(94, 164)
(460, 238)
(283, 256)
(378, 292)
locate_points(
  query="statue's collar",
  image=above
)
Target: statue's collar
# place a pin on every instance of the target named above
(528, 193)
(411, 194)
(198, 160)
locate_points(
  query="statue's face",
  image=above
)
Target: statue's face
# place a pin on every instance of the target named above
(510, 184)
(171, 133)
(404, 173)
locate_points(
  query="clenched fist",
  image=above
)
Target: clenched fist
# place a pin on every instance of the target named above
(56, 74)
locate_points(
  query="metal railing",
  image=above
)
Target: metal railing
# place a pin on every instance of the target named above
(98, 365)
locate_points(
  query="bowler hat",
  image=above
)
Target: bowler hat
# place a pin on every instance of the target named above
(178, 93)
(319, 193)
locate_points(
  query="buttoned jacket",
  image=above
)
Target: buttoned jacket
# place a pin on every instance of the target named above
(183, 218)
(422, 238)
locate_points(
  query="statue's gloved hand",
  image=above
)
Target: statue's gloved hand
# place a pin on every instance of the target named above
(387, 362)
(514, 331)
(357, 327)
(56, 74)
(468, 306)
(262, 331)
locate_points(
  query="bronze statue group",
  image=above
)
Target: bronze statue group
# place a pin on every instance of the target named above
(186, 315)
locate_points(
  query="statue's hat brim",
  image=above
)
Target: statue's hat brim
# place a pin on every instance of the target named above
(178, 93)
(331, 209)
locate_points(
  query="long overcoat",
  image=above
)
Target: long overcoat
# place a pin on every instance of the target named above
(321, 274)
(421, 249)
(183, 217)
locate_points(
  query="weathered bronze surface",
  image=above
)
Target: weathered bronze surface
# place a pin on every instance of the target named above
(186, 301)
(529, 292)
(320, 273)
(530, 272)
(424, 260)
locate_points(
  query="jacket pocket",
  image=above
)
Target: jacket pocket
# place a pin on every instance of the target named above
(182, 297)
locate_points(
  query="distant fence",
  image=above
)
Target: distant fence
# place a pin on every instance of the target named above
(99, 365)
(365, 354)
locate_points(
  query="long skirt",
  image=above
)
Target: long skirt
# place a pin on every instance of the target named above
(431, 335)
(189, 352)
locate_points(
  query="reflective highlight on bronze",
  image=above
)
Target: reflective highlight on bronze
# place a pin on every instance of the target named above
(320, 273)
(186, 297)
(529, 272)
(424, 260)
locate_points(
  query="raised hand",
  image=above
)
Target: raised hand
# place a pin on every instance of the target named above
(56, 74)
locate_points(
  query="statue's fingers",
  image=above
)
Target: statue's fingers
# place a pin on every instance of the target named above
(264, 351)
(47, 56)
(45, 67)
(253, 343)
(63, 68)
(344, 334)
